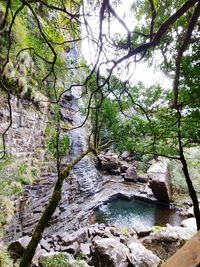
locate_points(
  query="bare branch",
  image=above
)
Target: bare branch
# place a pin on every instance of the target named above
(6, 15)
(3, 86)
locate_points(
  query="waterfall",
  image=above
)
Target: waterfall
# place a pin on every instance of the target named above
(84, 172)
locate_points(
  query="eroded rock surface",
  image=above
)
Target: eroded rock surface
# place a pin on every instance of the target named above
(159, 177)
(141, 257)
(166, 241)
(109, 252)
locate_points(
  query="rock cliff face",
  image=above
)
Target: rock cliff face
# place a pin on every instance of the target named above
(25, 141)
(25, 138)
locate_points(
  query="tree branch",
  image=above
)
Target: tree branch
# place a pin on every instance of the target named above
(181, 51)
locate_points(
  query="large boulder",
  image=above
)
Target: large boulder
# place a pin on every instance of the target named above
(110, 162)
(109, 252)
(124, 166)
(131, 174)
(72, 249)
(80, 236)
(141, 257)
(142, 230)
(166, 241)
(125, 154)
(159, 177)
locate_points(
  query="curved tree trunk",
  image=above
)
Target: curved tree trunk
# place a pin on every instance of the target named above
(48, 212)
(191, 190)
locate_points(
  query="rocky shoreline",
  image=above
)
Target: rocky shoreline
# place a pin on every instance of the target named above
(72, 233)
(110, 246)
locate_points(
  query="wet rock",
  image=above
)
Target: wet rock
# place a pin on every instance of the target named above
(159, 177)
(109, 252)
(131, 174)
(141, 257)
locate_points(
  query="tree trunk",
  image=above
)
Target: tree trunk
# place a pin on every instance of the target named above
(191, 190)
(48, 212)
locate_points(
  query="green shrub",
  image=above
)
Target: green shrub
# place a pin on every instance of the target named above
(59, 260)
(5, 260)
(125, 231)
(81, 256)
(156, 228)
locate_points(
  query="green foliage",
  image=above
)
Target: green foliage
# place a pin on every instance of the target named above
(5, 260)
(125, 231)
(81, 256)
(57, 28)
(156, 228)
(13, 175)
(58, 146)
(177, 178)
(59, 260)
(104, 120)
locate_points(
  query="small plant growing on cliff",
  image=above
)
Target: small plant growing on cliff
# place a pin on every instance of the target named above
(63, 145)
(125, 231)
(156, 228)
(59, 260)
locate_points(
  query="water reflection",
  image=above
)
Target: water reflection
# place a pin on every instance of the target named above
(127, 213)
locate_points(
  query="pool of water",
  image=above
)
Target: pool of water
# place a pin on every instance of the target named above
(130, 212)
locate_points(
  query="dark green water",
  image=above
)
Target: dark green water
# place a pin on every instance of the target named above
(130, 212)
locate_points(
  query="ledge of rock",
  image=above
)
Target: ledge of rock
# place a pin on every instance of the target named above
(159, 177)
(141, 257)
